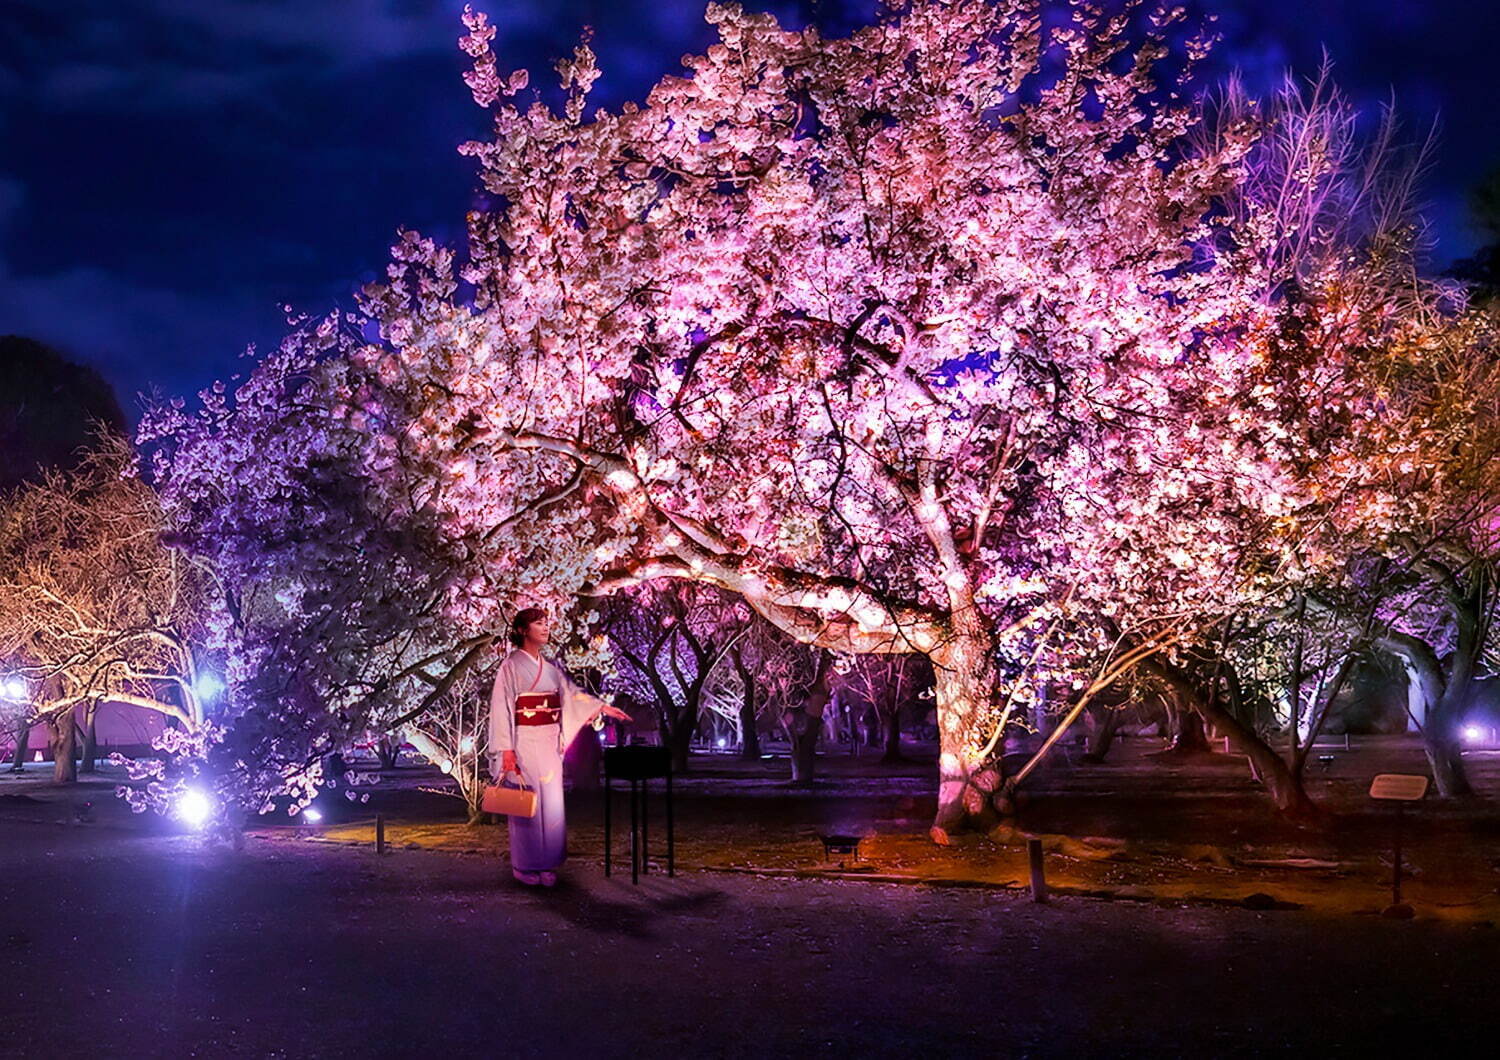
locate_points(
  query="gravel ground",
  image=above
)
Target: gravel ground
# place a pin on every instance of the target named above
(119, 942)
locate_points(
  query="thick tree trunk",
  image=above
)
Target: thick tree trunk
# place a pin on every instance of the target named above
(60, 739)
(388, 751)
(1188, 736)
(804, 731)
(1284, 786)
(749, 731)
(968, 787)
(90, 762)
(804, 722)
(680, 738)
(1103, 721)
(749, 734)
(18, 760)
(1441, 708)
(1445, 758)
(890, 731)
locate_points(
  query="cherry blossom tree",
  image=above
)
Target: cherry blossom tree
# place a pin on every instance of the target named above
(1439, 454)
(887, 335)
(93, 606)
(962, 336)
(344, 606)
(1382, 383)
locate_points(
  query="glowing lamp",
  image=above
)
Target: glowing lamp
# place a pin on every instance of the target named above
(207, 686)
(1473, 734)
(466, 744)
(194, 808)
(723, 742)
(14, 687)
(312, 815)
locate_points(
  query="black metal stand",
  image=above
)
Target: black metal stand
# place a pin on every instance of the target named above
(1396, 856)
(637, 765)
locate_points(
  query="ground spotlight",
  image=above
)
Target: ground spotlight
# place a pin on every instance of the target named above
(194, 808)
(313, 815)
(14, 687)
(1473, 734)
(207, 686)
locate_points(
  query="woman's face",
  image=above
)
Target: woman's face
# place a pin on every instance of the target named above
(537, 631)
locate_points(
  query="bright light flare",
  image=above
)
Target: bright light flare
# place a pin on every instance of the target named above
(14, 687)
(207, 686)
(194, 808)
(1473, 734)
(312, 815)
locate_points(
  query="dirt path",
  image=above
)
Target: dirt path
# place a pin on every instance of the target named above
(120, 943)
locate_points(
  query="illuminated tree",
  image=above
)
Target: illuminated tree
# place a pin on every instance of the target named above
(895, 336)
(337, 610)
(1440, 455)
(453, 733)
(93, 606)
(956, 337)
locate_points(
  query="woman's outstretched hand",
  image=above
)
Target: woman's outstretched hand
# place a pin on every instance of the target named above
(508, 762)
(610, 711)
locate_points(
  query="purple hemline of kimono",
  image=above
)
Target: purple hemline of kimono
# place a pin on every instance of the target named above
(540, 843)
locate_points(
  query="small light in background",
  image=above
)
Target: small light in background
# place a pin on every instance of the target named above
(313, 815)
(14, 687)
(194, 808)
(466, 744)
(1473, 734)
(207, 686)
(446, 766)
(723, 742)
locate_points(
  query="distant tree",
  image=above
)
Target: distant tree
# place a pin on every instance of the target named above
(1482, 268)
(884, 685)
(668, 637)
(93, 606)
(50, 410)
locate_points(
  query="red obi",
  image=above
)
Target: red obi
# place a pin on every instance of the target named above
(538, 708)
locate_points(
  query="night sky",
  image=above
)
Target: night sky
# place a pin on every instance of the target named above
(172, 171)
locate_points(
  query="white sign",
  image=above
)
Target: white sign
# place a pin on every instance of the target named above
(1399, 787)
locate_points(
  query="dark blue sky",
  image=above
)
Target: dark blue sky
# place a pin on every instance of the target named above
(171, 171)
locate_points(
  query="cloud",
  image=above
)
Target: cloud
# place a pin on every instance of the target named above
(164, 55)
(113, 323)
(12, 195)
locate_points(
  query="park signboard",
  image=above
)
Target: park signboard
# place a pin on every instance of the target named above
(1398, 787)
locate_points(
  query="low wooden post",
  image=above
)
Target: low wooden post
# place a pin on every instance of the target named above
(1038, 876)
(380, 833)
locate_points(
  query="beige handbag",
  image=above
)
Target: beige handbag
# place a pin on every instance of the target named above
(512, 802)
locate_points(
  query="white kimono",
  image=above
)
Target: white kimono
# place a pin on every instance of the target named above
(540, 843)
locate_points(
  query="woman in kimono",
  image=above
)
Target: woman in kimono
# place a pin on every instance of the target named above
(535, 711)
